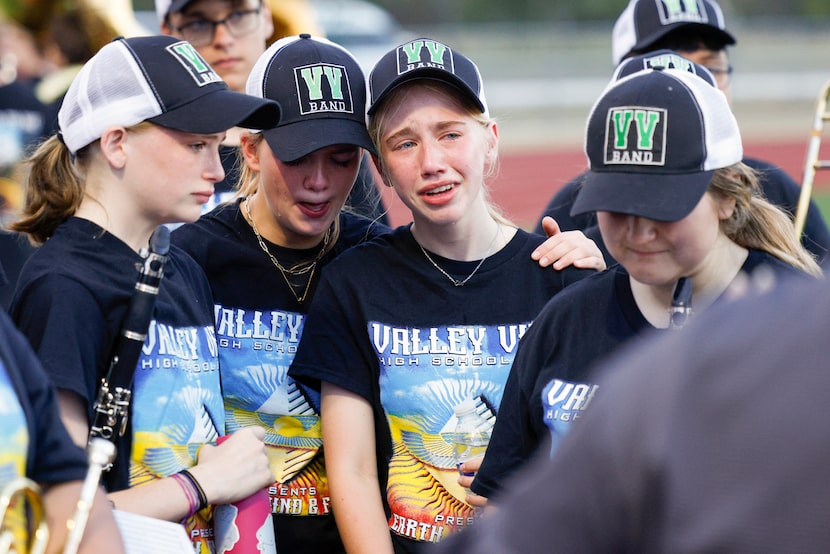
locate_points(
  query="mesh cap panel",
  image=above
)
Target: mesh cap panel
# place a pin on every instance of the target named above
(110, 90)
(160, 79)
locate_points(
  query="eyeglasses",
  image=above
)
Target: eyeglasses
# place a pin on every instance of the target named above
(721, 75)
(201, 32)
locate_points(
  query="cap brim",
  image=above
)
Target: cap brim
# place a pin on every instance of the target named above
(645, 42)
(295, 140)
(434, 74)
(178, 5)
(661, 197)
(218, 111)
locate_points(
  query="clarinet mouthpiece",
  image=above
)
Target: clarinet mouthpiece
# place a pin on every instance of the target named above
(160, 240)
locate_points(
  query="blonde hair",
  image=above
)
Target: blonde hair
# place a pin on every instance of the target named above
(55, 185)
(756, 223)
(248, 178)
(379, 119)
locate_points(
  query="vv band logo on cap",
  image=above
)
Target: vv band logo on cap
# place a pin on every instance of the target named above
(424, 53)
(635, 136)
(323, 88)
(669, 61)
(674, 11)
(195, 64)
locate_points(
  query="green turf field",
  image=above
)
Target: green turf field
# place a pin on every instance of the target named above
(822, 199)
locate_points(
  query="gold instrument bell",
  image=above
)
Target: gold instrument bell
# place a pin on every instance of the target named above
(23, 526)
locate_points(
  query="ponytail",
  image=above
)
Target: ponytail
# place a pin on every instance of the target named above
(758, 224)
(53, 190)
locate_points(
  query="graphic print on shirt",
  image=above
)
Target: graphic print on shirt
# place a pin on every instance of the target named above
(424, 373)
(177, 407)
(13, 451)
(562, 404)
(256, 348)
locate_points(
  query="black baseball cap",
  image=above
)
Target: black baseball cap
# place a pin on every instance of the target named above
(666, 59)
(321, 90)
(644, 22)
(161, 79)
(425, 58)
(653, 141)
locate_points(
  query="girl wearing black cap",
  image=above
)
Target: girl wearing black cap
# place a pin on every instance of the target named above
(264, 253)
(415, 322)
(680, 212)
(138, 147)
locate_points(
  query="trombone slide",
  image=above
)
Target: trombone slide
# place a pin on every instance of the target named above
(100, 453)
(813, 163)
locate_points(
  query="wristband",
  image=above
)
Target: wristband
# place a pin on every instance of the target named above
(202, 498)
(189, 493)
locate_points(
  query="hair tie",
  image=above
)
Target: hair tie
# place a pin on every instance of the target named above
(203, 501)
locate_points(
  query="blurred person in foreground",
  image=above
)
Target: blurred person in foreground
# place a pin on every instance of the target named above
(722, 448)
(35, 445)
(697, 31)
(231, 35)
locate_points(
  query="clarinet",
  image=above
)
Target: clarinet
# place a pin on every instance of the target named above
(113, 402)
(112, 405)
(681, 303)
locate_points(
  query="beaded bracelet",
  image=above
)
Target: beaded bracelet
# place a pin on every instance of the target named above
(203, 501)
(189, 493)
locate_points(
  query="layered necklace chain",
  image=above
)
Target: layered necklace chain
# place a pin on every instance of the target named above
(300, 268)
(462, 282)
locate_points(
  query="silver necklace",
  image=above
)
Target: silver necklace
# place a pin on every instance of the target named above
(453, 280)
(300, 268)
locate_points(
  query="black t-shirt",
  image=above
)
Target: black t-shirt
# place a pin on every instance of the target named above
(15, 249)
(35, 442)
(388, 326)
(552, 383)
(71, 300)
(258, 327)
(713, 439)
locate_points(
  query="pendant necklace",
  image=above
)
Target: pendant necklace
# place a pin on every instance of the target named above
(298, 269)
(453, 280)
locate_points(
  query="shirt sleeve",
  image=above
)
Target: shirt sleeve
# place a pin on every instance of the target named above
(52, 456)
(67, 329)
(335, 345)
